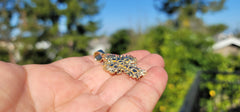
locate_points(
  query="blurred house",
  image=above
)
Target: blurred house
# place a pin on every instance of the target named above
(227, 44)
(98, 43)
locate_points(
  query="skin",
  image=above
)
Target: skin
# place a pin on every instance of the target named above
(79, 84)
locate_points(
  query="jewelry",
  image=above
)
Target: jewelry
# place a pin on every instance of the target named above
(116, 64)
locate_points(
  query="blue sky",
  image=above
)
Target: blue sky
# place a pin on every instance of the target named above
(117, 14)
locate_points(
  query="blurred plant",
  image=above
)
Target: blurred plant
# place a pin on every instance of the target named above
(212, 93)
(69, 45)
(234, 62)
(185, 52)
(185, 44)
(223, 92)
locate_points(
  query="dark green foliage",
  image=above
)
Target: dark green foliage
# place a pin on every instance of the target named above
(190, 7)
(4, 55)
(234, 60)
(216, 29)
(36, 56)
(120, 41)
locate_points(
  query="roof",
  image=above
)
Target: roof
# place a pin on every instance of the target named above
(226, 42)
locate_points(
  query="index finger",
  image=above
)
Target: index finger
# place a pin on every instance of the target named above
(75, 66)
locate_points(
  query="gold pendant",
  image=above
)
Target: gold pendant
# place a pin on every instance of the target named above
(116, 64)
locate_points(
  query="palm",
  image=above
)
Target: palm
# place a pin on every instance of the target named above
(81, 84)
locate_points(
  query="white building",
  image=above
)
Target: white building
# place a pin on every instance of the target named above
(227, 44)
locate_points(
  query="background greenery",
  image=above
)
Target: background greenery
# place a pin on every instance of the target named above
(184, 41)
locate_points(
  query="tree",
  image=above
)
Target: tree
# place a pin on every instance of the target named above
(42, 17)
(17, 14)
(217, 28)
(10, 11)
(187, 9)
(78, 15)
(120, 41)
(237, 33)
(48, 19)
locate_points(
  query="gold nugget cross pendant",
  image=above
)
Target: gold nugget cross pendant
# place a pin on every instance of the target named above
(116, 64)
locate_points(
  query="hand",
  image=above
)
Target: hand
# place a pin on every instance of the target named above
(79, 84)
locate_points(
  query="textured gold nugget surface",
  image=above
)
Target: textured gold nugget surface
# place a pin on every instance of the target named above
(115, 64)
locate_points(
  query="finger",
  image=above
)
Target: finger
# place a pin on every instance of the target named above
(139, 54)
(75, 66)
(118, 85)
(151, 60)
(96, 76)
(145, 94)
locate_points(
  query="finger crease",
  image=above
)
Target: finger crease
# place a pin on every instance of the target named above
(27, 88)
(136, 101)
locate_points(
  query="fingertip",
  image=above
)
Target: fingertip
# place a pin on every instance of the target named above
(146, 92)
(141, 51)
(151, 60)
(157, 78)
(160, 58)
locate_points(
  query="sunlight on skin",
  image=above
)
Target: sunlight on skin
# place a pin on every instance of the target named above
(80, 84)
